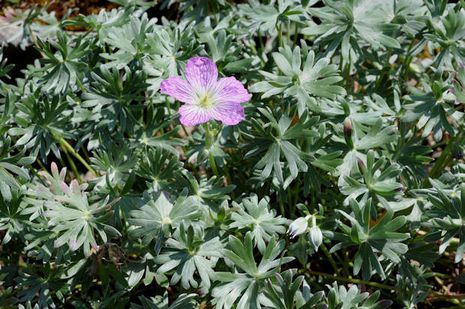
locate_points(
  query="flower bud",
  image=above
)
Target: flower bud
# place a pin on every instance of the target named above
(347, 127)
(298, 226)
(316, 237)
(348, 132)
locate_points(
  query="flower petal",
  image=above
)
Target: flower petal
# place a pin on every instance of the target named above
(178, 88)
(201, 73)
(230, 90)
(192, 115)
(228, 113)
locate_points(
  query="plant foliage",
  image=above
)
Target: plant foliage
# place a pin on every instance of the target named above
(343, 187)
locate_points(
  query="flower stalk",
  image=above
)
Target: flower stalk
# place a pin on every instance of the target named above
(209, 142)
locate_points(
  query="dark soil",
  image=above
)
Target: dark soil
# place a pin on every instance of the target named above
(61, 8)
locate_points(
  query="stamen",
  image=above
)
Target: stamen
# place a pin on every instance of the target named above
(205, 101)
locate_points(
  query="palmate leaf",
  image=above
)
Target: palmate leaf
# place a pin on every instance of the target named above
(371, 239)
(268, 17)
(207, 191)
(447, 216)
(183, 301)
(187, 253)
(412, 156)
(12, 221)
(361, 137)
(63, 69)
(36, 288)
(412, 283)
(220, 45)
(158, 217)
(433, 109)
(374, 180)
(171, 46)
(4, 67)
(152, 134)
(70, 216)
(115, 162)
(77, 222)
(160, 169)
(12, 171)
(250, 283)
(255, 216)
(129, 41)
(351, 25)
(194, 10)
(41, 120)
(410, 15)
(280, 139)
(115, 95)
(225, 53)
(315, 78)
(449, 32)
(290, 293)
(101, 22)
(341, 297)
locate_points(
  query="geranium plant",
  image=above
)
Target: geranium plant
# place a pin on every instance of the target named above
(234, 154)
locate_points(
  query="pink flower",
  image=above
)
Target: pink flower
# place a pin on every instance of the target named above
(204, 96)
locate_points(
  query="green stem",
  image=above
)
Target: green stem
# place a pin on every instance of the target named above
(213, 164)
(86, 154)
(288, 33)
(280, 36)
(81, 86)
(352, 280)
(260, 41)
(446, 156)
(209, 141)
(295, 198)
(168, 105)
(408, 59)
(330, 258)
(349, 85)
(35, 172)
(281, 206)
(295, 34)
(345, 262)
(438, 297)
(73, 166)
(289, 197)
(184, 130)
(42, 165)
(227, 173)
(67, 147)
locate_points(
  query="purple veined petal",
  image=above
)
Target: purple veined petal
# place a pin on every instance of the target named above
(230, 90)
(201, 73)
(229, 113)
(178, 88)
(192, 115)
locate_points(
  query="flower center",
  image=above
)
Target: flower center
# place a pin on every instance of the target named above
(205, 101)
(166, 220)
